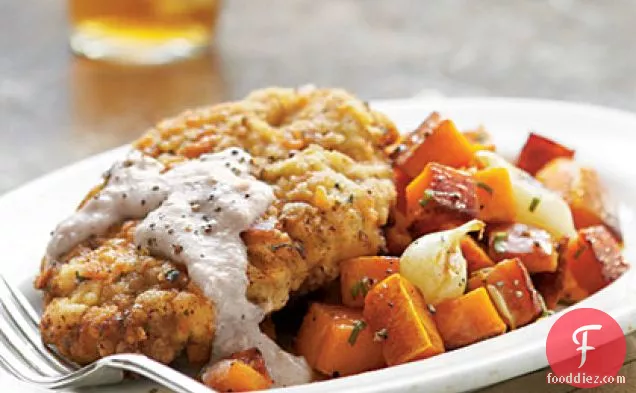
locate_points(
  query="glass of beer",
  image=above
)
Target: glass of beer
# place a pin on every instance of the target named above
(142, 31)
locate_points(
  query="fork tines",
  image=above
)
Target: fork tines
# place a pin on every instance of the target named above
(22, 352)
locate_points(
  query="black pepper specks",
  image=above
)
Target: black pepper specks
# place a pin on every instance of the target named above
(177, 249)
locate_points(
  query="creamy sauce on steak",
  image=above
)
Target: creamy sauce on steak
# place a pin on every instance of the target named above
(194, 214)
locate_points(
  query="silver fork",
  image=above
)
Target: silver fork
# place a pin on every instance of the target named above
(23, 355)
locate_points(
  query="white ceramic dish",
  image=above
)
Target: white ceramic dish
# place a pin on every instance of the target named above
(604, 138)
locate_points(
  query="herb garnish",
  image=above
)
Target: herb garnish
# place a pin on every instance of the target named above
(79, 277)
(172, 275)
(580, 251)
(485, 187)
(547, 313)
(358, 326)
(534, 204)
(428, 195)
(498, 242)
(360, 287)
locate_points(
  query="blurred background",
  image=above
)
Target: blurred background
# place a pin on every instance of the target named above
(56, 108)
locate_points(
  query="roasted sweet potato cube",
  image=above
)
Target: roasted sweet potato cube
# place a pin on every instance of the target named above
(468, 319)
(551, 285)
(539, 151)
(495, 195)
(533, 246)
(401, 180)
(480, 139)
(441, 197)
(399, 316)
(435, 140)
(476, 257)
(336, 341)
(359, 275)
(511, 290)
(593, 261)
(584, 191)
(477, 279)
(243, 372)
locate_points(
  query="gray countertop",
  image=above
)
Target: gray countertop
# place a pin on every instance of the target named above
(55, 109)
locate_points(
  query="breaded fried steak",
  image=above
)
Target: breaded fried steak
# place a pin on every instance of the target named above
(322, 152)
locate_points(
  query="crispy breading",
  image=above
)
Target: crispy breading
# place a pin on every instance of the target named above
(322, 151)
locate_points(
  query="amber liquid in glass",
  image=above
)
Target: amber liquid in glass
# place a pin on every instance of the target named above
(142, 31)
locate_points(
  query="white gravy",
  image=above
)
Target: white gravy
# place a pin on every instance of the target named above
(193, 214)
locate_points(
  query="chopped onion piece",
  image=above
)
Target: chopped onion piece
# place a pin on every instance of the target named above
(434, 263)
(534, 204)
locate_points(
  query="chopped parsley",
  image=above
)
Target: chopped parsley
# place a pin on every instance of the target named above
(428, 195)
(485, 187)
(79, 277)
(498, 242)
(173, 275)
(360, 288)
(534, 204)
(547, 313)
(580, 251)
(358, 326)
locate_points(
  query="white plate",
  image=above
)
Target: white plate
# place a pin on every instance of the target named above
(604, 138)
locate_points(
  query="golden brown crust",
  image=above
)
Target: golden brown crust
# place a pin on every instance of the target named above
(322, 152)
(105, 297)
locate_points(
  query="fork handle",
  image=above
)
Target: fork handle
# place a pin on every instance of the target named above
(160, 373)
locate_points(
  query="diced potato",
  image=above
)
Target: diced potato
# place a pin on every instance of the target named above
(533, 246)
(476, 257)
(593, 261)
(584, 191)
(243, 372)
(336, 341)
(435, 140)
(359, 275)
(495, 195)
(539, 151)
(512, 292)
(399, 316)
(440, 198)
(468, 319)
